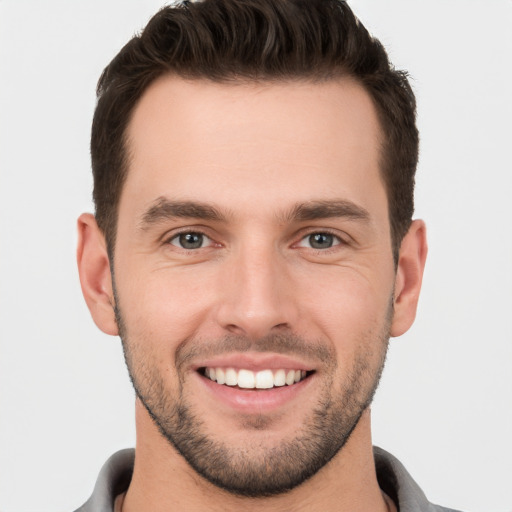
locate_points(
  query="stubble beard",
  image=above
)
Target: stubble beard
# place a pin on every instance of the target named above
(261, 471)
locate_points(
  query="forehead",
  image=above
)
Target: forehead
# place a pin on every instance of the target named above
(238, 140)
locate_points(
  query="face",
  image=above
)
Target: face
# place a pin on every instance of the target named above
(254, 274)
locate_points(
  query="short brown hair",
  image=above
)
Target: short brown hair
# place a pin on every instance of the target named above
(255, 40)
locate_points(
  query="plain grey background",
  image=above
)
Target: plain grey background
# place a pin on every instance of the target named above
(445, 403)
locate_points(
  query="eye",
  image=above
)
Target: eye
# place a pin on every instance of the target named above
(320, 241)
(190, 240)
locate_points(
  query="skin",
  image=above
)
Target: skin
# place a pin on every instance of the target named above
(253, 152)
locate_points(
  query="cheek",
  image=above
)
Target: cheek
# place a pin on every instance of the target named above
(348, 307)
(162, 307)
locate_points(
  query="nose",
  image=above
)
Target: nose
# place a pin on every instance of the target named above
(257, 295)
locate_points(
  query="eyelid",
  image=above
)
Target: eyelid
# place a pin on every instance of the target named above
(336, 241)
(206, 241)
(341, 239)
(171, 235)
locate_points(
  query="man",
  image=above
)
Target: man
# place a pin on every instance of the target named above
(253, 246)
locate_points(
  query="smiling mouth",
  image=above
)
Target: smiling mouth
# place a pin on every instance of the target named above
(248, 379)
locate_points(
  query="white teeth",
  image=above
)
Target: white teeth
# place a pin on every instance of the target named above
(264, 379)
(279, 378)
(247, 379)
(221, 376)
(231, 377)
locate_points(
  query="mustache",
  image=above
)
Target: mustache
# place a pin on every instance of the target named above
(290, 344)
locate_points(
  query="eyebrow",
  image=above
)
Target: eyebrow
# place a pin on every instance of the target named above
(164, 209)
(313, 210)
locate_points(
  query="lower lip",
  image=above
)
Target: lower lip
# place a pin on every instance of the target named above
(255, 400)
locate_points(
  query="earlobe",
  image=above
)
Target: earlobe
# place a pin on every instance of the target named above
(95, 275)
(409, 275)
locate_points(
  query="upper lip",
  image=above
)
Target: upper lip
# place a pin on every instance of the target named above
(254, 362)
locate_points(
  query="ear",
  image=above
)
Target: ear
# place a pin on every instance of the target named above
(411, 263)
(95, 274)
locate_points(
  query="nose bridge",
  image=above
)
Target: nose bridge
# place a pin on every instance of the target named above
(256, 298)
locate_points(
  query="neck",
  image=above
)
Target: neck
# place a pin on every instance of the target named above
(162, 479)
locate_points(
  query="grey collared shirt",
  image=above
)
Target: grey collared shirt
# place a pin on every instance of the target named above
(394, 480)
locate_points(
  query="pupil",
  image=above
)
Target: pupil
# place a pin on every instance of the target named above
(191, 240)
(321, 240)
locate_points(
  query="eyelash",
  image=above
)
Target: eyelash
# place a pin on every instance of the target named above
(339, 241)
(199, 232)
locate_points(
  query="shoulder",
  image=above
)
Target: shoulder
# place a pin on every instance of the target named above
(114, 479)
(399, 485)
